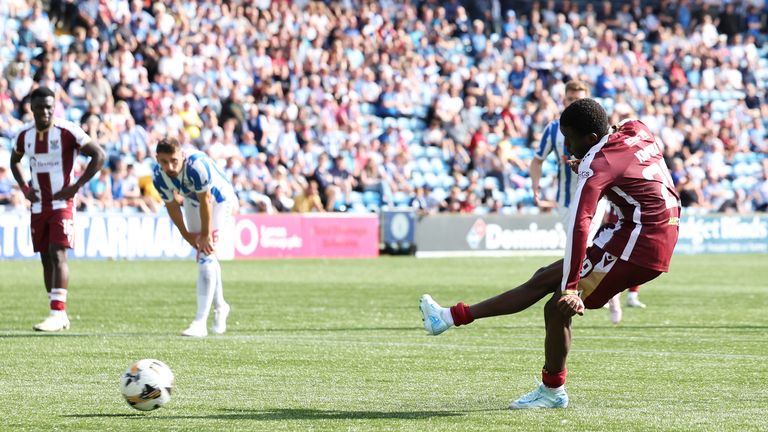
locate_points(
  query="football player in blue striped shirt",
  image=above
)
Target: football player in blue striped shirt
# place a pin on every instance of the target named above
(207, 223)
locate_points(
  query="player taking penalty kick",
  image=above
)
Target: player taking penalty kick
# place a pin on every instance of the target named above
(51, 145)
(209, 201)
(627, 167)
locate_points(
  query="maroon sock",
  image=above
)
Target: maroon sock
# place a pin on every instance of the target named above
(553, 380)
(461, 314)
(635, 288)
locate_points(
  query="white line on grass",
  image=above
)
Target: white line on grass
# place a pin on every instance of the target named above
(428, 343)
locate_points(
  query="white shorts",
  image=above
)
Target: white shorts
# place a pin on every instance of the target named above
(222, 226)
(597, 220)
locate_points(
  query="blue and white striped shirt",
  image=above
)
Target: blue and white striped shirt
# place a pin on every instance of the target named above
(198, 174)
(553, 140)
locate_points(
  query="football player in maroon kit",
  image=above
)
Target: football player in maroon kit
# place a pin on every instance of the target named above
(52, 145)
(627, 167)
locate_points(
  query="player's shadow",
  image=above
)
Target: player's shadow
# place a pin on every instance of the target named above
(293, 414)
(315, 414)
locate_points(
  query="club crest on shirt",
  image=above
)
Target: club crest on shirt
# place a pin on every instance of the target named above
(54, 145)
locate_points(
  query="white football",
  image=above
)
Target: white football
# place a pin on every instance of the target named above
(146, 385)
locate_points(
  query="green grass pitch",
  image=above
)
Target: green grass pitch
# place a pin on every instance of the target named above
(338, 345)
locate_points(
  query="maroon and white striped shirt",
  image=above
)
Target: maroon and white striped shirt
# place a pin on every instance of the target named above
(51, 156)
(628, 168)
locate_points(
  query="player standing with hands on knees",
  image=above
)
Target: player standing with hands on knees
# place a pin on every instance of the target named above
(627, 167)
(52, 145)
(209, 202)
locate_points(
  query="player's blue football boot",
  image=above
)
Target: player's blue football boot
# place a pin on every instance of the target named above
(432, 315)
(542, 397)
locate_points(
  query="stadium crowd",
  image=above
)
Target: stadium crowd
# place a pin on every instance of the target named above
(356, 105)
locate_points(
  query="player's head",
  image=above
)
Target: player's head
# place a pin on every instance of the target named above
(583, 123)
(169, 156)
(575, 90)
(42, 101)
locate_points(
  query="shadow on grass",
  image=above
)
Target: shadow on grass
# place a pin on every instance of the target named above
(328, 329)
(293, 414)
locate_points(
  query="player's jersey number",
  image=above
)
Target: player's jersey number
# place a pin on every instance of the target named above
(658, 171)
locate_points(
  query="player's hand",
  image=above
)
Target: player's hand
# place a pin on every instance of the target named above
(570, 305)
(66, 192)
(205, 244)
(30, 194)
(536, 192)
(574, 164)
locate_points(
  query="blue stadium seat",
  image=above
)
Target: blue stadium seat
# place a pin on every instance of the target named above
(438, 166)
(447, 181)
(401, 199)
(371, 197)
(434, 152)
(431, 179)
(491, 183)
(416, 150)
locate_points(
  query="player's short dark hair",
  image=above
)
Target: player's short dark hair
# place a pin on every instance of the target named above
(168, 145)
(42, 92)
(585, 116)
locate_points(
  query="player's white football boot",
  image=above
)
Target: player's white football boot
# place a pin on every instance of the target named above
(614, 309)
(542, 397)
(432, 315)
(53, 323)
(196, 329)
(634, 302)
(220, 319)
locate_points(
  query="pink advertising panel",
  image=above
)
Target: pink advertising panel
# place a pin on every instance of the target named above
(306, 236)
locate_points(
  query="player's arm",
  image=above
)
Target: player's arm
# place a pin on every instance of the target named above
(28, 192)
(205, 239)
(535, 172)
(93, 151)
(200, 172)
(174, 212)
(593, 179)
(544, 148)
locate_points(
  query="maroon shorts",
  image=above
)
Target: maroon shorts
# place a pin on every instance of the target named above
(604, 275)
(53, 227)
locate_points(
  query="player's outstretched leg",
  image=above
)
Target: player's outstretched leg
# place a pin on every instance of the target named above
(437, 319)
(220, 307)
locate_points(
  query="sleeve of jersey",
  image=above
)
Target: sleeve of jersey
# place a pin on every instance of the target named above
(545, 144)
(593, 179)
(200, 173)
(81, 138)
(165, 192)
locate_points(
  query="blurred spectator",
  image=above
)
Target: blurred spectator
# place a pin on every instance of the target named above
(406, 103)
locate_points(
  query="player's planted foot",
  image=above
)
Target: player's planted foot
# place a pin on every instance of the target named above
(542, 397)
(434, 315)
(54, 323)
(220, 319)
(635, 303)
(196, 329)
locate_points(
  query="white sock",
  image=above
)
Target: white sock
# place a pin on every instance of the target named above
(208, 269)
(218, 299)
(445, 314)
(57, 298)
(632, 295)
